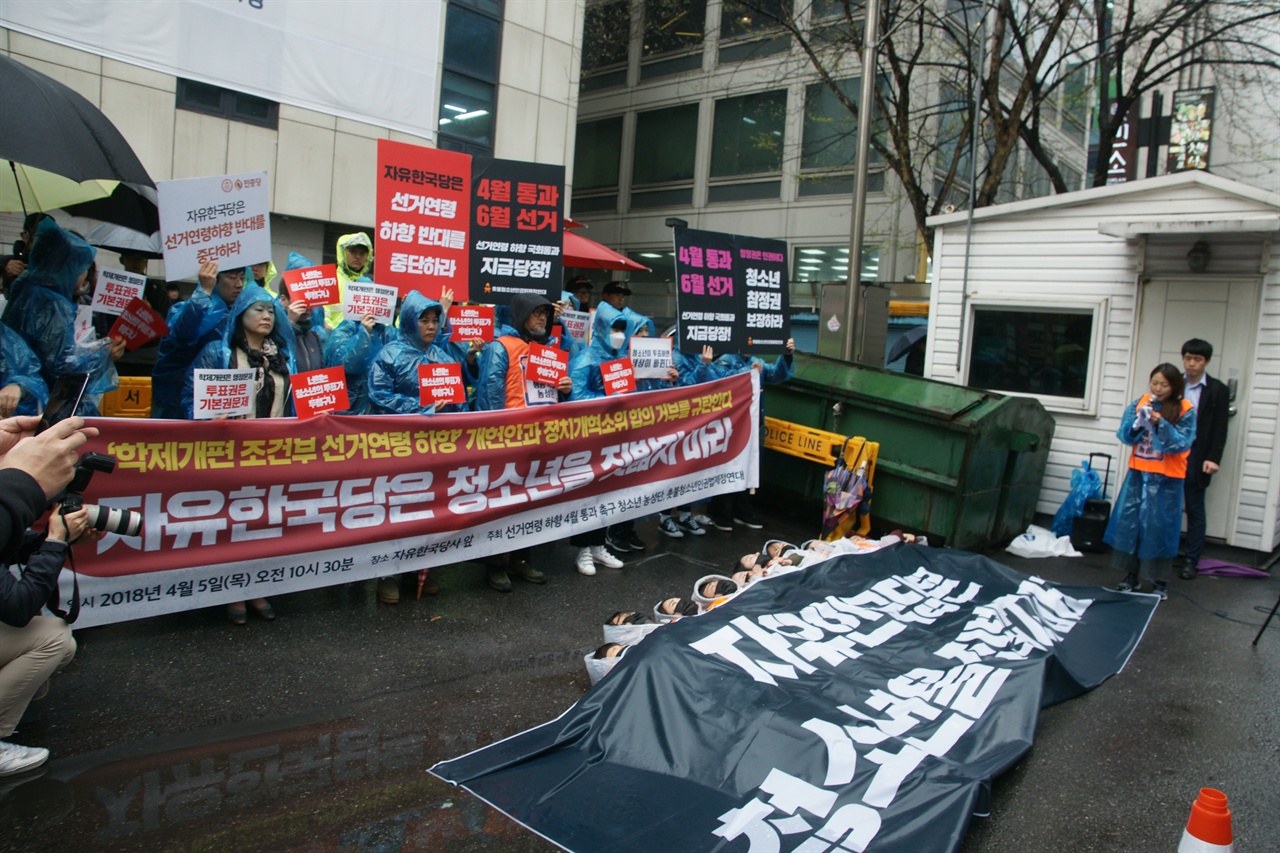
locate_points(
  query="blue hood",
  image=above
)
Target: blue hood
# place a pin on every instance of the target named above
(57, 260)
(412, 307)
(282, 334)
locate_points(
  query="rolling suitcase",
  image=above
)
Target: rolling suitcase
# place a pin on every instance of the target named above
(1088, 528)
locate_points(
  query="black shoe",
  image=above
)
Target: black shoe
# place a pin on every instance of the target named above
(1162, 590)
(722, 523)
(633, 541)
(747, 519)
(1131, 583)
(617, 542)
(497, 577)
(1188, 572)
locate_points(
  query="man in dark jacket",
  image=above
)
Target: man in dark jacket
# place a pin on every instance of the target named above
(1210, 398)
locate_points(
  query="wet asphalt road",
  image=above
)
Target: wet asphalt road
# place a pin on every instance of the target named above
(313, 733)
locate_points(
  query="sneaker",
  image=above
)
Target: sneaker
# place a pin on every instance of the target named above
(586, 565)
(1162, 590)
(703, 520)
(389, 590)
(497, 577)
(634, 542)
(722, 523)
(15, 759)
(600, 554)
(527, 572)
(1131, 583)
(616, 542)
(1188, 572)
(668, 526)
(690, 525)
(747, 519)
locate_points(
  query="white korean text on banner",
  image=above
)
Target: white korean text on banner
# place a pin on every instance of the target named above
(222, 218)
(860, 704)
(732, 294)
(1191, 129)
(301, 54)
(422, 204)
(517, 212)
(235, 510)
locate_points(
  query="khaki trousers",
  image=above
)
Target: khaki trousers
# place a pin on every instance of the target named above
(28, 656)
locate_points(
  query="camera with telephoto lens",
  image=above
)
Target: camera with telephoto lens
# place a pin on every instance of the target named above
(107, 518)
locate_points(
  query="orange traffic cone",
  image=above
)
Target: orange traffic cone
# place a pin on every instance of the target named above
(1209, 827)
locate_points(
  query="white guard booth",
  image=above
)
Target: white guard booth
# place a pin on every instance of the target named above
(1075, 298)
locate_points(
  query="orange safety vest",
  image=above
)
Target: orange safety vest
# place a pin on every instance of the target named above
(1146, 457)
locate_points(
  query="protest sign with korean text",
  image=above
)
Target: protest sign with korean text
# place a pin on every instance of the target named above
(223, 393)
(861, 703)
(259, 507)
(423, 210)
(441, 384)
(363, 297)
(222, 218)
(651, 357)
(546, 365)
(517, 212)
(116, 289)
(733, 292)
(318, 391)
(137, 324)
(618, 376)
(83, 325)
(317, 286)
(578, 324)
(472, 323)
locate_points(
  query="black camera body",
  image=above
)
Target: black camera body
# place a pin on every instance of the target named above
(111, 519)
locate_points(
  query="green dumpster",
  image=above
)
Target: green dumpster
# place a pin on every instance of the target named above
(959, 464)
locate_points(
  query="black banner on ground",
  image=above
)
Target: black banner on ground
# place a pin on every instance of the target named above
(517, 217)
(733, 293)
(861, 704)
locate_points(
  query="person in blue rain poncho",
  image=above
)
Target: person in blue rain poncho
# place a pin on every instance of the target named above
(355, 262)
(1146, 523)
(353, 345)
(308, 324)
(256, 337)
(193, 323)
(423, 338)
(42, 311)
(727, 510)
(22, 389)
(611, 334)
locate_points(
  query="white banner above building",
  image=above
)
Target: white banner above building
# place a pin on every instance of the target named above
(371, 62)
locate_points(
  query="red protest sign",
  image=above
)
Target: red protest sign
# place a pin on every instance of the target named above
(423, 205)
(619, 376)
(138, 324)
(546, 365)
(472, 322)
(440, 384)
(318, 391)
(316, 286)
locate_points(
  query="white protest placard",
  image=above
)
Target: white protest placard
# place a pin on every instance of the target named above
(651, 357)
(577, 323)
(222, 393)
(116, 289)
(363, 297)
(223, 218)
(84, 324)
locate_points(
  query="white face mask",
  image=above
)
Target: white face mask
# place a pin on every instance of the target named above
(617, 339)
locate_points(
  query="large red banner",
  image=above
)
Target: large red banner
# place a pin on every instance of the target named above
(424, 210)
(241, 509)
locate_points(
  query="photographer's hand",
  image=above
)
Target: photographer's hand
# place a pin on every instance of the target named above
(10, 397)
(49, 457)
(67, 528)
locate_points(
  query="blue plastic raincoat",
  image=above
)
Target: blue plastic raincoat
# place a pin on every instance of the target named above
(498, 376)
(42, 311)
(393, 374)
(217, 355)
(1147, 518)
(353, 348)
(19, 366)
(584, 369)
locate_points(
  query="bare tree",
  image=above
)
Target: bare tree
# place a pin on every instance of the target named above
(1031, 68)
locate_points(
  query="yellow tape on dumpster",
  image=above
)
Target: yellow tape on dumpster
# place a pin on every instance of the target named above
(824, 448)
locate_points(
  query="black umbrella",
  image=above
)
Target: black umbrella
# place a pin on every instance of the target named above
(50, 127)
(909, 338)
(129, 205)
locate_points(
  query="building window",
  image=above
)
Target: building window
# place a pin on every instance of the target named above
(606, 35)
(1075, 101)
(672, 26)
(666, 142)
(1043, 351)
(224, 103)
(747, 137)
(831, 263)
(468, 82)
(596, 157)
(755, 26)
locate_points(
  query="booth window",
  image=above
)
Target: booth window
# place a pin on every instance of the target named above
(1035, 351)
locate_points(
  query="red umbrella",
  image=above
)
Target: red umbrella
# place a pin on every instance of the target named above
(580, 251)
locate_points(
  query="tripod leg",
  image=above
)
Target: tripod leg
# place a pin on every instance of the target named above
(1267, 622)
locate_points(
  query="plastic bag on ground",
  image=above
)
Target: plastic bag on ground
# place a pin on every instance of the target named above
(1038, 542)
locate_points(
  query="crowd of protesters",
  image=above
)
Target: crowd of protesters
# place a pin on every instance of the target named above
(244, 318)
